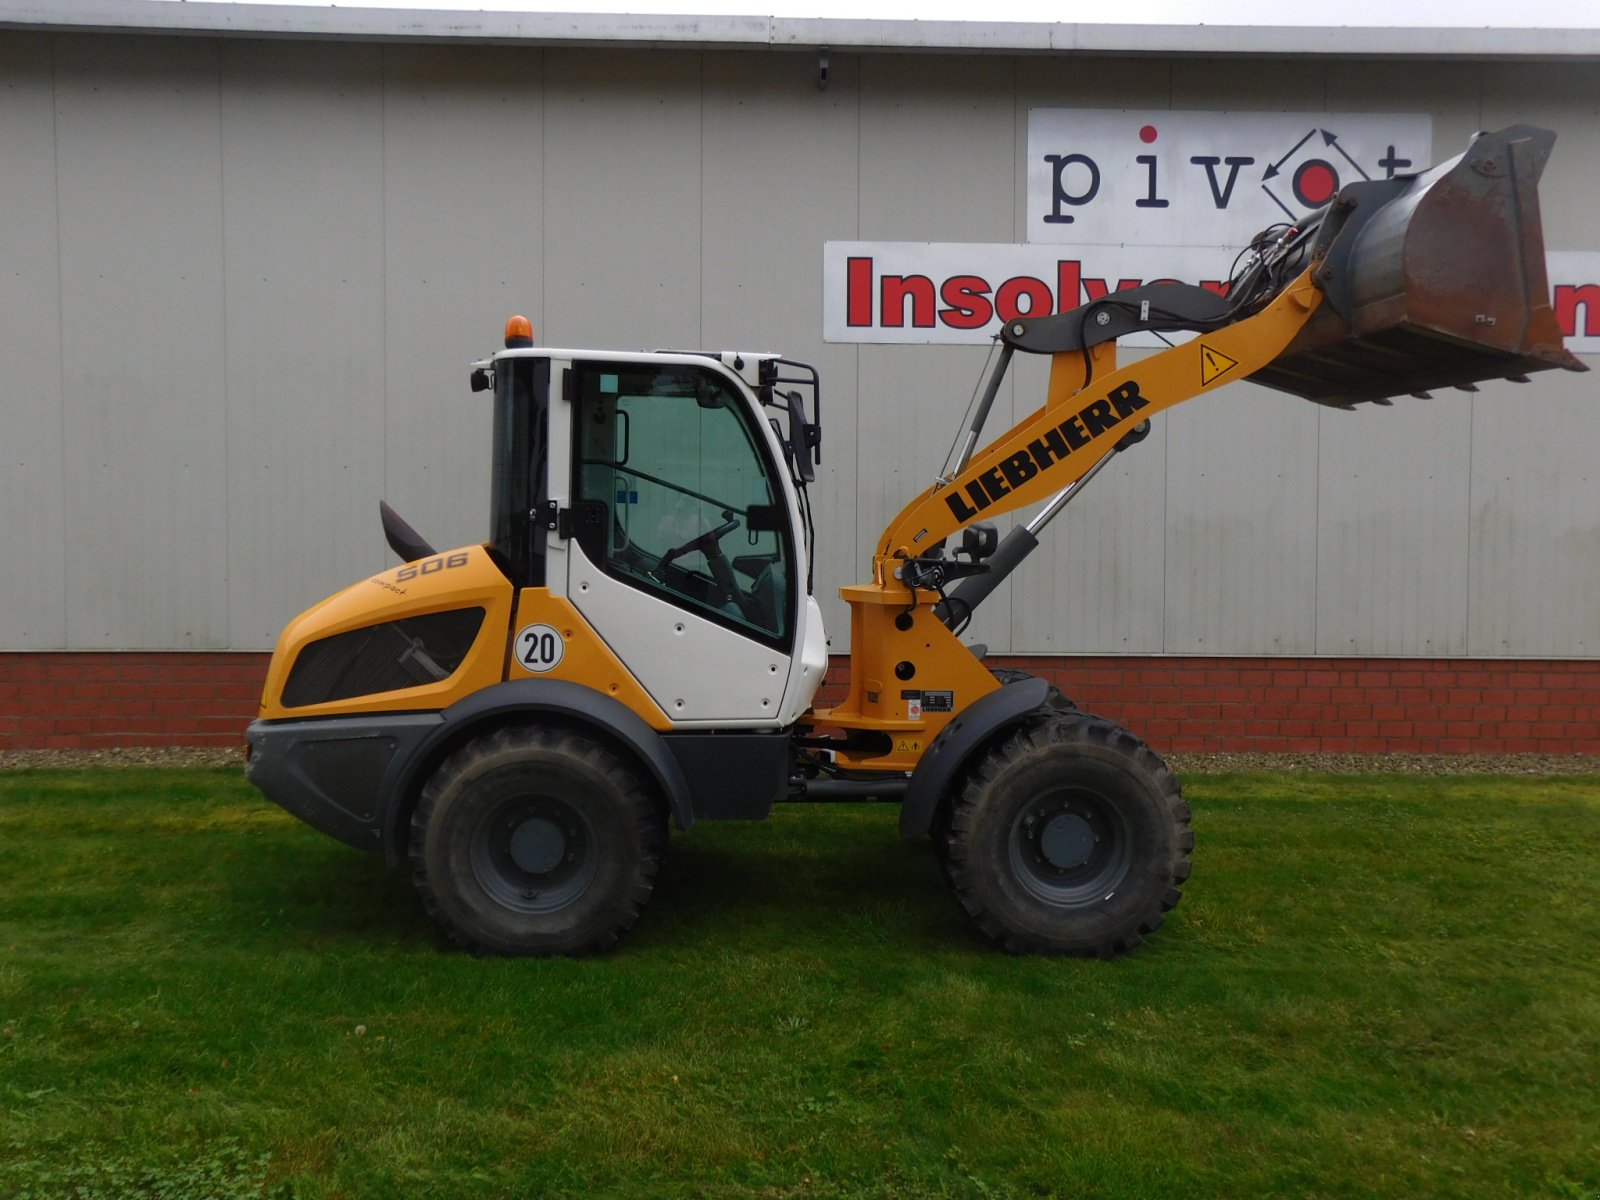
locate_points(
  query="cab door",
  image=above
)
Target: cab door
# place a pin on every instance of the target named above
(685, 552)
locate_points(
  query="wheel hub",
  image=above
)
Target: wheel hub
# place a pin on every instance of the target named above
(1069, 848)
(535, 853)
(1067, 841)
(538, 845)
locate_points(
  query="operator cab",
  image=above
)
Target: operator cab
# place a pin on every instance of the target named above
(664, 495)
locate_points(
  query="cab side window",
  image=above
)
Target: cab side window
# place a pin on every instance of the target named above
(676, 496)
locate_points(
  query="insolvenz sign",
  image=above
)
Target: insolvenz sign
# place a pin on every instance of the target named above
(1116, 199)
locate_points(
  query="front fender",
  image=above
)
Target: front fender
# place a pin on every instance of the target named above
(533, 697)
(955, 744)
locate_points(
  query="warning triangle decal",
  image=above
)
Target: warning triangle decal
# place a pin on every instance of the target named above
(1214, 364)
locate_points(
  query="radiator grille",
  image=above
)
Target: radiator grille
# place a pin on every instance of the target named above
(382, 658)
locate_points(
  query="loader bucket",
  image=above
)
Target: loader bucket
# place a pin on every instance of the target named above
(1430, 281)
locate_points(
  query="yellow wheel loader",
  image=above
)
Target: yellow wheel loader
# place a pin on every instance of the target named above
(637, 646)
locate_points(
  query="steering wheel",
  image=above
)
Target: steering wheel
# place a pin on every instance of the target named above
(708, 543)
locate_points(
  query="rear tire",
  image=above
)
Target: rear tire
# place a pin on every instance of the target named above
(535, 841)
(1070, 836)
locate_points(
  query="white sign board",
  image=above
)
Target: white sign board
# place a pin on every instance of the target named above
(1114, 199)
(960, 292)
(1575, 295)
(1156, 177)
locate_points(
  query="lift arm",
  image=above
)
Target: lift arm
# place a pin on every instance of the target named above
(1081, 422)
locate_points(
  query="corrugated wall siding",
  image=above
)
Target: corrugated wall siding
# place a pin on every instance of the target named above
(241, 282)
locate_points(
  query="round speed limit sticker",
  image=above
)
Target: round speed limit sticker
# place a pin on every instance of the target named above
(539, 648)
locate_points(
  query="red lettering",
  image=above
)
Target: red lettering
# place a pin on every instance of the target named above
(858, 292)
(1096, 289)
(1069, 272)
(894, 290)
(1006, 300)
(1571, 297)
(968, 299)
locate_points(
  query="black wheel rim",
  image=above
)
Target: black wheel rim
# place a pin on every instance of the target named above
(535, 854)
(1070, 847)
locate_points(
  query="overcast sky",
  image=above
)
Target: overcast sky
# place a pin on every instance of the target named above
(1551, 14)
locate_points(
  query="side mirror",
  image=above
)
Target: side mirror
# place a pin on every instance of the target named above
(799, 443)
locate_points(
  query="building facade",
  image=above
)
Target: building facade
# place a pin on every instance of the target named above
(250, 253)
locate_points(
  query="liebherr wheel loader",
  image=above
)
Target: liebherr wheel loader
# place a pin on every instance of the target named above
(637, 646)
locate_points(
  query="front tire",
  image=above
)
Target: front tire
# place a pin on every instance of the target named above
(1070, 836)
(535, 841)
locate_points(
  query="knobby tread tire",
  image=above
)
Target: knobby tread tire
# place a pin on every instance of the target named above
(627, 819)
(1049, 752)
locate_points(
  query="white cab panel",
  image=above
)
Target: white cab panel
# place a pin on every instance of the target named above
(696, 670)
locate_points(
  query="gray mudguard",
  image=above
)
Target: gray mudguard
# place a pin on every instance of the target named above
(943, 760)
(553, 697)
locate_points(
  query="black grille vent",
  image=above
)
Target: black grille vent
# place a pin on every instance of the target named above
(382, 658)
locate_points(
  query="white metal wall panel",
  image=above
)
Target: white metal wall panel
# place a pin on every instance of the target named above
(1566, 98)
(1534, 582)
(138, 193)
(1392, 527)
(1241, 567)
(780, 170)
(938, 163)
(1535, 551)
(302, 140)
(1098, 585)
(33, 592)
(276, 259)
(1446, 92)
(462, 204)
(1096, 581)
(622, 186)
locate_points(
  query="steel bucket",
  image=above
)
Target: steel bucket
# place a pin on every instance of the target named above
(1430, 281)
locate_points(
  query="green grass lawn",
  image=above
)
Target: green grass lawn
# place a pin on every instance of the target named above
(1375, 986)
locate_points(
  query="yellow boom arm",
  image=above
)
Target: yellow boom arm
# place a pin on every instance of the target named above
(1081, 422)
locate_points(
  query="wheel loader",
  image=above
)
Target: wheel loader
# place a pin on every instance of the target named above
(637, 645)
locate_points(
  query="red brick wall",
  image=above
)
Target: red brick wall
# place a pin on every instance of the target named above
(1430, 706)
(89, 701)
(1330, 705)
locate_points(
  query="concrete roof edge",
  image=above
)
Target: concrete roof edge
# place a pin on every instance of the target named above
(793, 33)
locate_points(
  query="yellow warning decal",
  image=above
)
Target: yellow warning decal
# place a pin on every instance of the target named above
(1214, 364)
